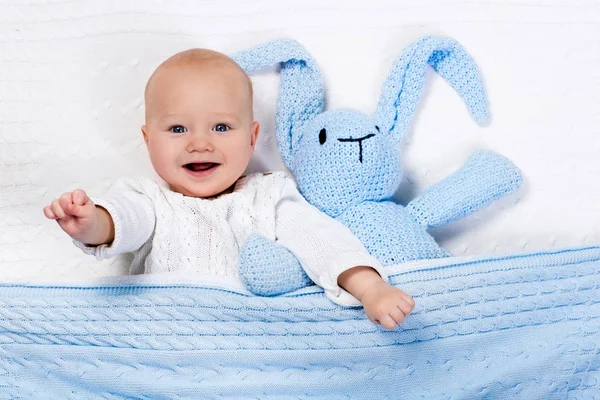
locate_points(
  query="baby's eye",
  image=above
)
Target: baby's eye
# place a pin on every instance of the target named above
(221, 128)
(177, 129)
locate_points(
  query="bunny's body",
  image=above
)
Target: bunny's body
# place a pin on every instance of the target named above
(352, 175)
(347, 164)
(381, 236)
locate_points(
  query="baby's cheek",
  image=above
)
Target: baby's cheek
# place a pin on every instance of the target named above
(157, 157)
(242, 151)
(163, 160)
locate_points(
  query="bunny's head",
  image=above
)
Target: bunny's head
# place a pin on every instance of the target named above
(342, 157)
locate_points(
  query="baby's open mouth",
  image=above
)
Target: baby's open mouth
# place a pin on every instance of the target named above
(199, 167)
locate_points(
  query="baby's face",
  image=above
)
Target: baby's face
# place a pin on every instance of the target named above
(199, 127)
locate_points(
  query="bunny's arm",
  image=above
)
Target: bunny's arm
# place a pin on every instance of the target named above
(485, 177)
(269, 269)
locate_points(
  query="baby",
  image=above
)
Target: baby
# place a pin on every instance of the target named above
(200, 134)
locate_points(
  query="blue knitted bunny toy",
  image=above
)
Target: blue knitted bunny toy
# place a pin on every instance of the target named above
(347, 164)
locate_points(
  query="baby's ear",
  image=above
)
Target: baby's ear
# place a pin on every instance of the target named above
(254, 133)
(145, 134)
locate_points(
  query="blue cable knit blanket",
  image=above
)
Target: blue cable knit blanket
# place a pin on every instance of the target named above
(512, 327)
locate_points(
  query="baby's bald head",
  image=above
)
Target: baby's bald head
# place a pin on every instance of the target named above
(201, 61)
(199, 114)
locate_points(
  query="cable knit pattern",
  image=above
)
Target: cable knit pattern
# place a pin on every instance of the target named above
(170, 232)
(347, 164)
(513, 327)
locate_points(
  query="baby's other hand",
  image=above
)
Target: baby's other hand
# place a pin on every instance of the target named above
(75, 213)
(386, 305)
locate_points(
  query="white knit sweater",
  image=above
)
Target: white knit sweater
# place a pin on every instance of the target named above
(170, 232)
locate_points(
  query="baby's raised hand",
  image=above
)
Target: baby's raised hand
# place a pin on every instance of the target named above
(75, 213)
(386, 305)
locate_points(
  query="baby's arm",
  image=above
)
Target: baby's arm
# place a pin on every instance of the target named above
(337, 261)
(81, 219)
(121, 222)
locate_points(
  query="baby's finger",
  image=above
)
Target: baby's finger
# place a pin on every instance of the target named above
(64, 200)
(48, 213)
(405, 307)
(407, 297)
(83, 211)
(397, 315)
(388, 322)
(57, 209)
(80, 197)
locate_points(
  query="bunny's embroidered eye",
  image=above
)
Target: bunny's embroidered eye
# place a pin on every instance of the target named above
(376, 127)
(322, 136)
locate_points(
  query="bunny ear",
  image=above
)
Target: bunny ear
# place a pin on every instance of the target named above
(301, 93)
(403, 88)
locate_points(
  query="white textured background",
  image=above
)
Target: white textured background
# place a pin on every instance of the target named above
(72, 75)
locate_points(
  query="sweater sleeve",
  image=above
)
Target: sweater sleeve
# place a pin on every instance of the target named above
(324, 246)
(132, 212)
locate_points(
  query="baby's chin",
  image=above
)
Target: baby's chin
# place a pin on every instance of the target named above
(202, 191)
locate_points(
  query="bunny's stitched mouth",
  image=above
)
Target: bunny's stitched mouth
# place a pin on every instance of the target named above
(359, 140)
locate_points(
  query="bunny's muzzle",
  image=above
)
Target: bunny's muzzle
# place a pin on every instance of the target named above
(359, 140)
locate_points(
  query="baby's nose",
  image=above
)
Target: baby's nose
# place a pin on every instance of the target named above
(199, 142)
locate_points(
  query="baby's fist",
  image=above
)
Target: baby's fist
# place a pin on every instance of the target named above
(74, 212)
(387, 305)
